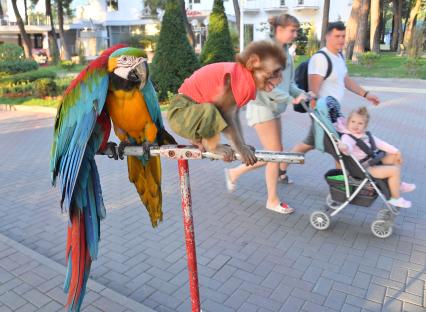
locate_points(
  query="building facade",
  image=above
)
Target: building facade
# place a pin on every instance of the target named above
(101, 23)
(256, 13)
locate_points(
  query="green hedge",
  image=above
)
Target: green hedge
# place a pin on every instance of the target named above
(18, 66)
(10, 52)
(28, 77)
(37, 87)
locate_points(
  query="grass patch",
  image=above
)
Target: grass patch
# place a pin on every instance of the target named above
(30, 101)
(389, 65)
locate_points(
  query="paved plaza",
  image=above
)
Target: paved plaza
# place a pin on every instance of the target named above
(249, 258)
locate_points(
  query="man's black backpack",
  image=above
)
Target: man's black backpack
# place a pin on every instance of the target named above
(301, 77)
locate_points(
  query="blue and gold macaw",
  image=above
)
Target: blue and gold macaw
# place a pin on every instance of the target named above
(115, 86)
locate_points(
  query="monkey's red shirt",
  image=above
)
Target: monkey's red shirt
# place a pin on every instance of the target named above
(208, 82)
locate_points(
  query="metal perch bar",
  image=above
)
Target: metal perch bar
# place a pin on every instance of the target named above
(192, 152)
(182, 153)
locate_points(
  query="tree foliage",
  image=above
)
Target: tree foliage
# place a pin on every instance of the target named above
(218, 47)
(175, 58)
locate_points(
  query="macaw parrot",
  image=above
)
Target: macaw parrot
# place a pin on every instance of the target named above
(114, 86)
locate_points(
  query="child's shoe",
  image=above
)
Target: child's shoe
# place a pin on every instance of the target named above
(407, 187)
(400, 202)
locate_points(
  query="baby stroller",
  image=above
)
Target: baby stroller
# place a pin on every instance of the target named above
(350, 185)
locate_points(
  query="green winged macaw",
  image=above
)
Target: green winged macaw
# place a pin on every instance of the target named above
(114, 86)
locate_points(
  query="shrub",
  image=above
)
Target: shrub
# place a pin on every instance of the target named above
(10, 52)
(28, 76)
(175, 59)
(68, 65)
(312, 45)
(143, 41)
(368, 58)
(302, 40)
(218, 47)
(46, 87)
(17, 66)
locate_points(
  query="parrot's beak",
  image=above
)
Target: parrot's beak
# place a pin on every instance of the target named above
(139, 73)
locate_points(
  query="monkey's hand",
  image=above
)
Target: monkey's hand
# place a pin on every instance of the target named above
(247, 155)
(226, 151)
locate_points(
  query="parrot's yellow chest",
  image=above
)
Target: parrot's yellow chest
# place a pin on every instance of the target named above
(130, 115)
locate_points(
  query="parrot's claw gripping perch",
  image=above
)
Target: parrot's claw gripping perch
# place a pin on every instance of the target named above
(112, 146)
(121, 148)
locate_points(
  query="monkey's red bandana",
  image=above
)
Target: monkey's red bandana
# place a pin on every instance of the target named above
(208, 82)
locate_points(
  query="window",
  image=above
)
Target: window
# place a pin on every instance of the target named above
(282, 2)
(300, 2)
(112, 5)
(197, 1)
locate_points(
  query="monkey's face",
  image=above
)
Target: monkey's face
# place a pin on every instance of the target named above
(268, 75)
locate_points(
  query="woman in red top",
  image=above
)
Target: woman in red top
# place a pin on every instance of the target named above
(221, 89)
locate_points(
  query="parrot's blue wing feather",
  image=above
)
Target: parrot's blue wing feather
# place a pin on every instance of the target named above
(152, 103)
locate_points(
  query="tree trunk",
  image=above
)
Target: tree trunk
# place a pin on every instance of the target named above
(237, 14)
(187, 24)
(325, 15)
(53, 43)
(362, 30)
(408, 36)
(1, 11)
(65, 46)
(26, 12)
(382, 23)
(26, 42)
(396, 30)
(374, 28)
(352, 28)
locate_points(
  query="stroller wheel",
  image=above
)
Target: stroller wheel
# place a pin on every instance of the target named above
(381, 229)
(384, 214)
(320, 220)
(331, 203)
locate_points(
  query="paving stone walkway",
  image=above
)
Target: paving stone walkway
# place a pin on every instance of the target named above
(249, 258)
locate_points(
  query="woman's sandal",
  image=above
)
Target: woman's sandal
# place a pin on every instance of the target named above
(283, 177)
(281, 208)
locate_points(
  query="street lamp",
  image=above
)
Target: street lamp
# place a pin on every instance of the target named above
(241, 25)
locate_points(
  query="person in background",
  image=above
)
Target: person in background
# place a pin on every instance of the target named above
(264, 114)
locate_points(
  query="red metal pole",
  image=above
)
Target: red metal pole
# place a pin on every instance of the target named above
(185, 191)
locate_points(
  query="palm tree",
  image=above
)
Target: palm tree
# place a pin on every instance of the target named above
(352, 28)
(65, 46)
(374, 27)
(325, 15)
(26, 42)
(362, 30)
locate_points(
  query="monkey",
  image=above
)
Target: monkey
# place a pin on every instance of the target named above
(209, 100)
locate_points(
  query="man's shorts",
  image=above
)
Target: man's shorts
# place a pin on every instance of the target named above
(310, 137)
(194, 121)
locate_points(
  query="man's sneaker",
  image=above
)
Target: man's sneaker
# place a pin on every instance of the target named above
(283, 177)
(407, 187)
(400, 202)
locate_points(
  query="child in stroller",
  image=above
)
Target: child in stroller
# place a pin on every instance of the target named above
(382, 160)
(353, 183)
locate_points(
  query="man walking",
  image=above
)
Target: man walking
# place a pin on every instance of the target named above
(335, 82)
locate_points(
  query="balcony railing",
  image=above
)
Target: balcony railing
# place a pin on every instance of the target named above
(307, 5)
(251, 5)
(275, 5)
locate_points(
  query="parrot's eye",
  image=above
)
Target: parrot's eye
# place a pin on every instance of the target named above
(124, 59)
